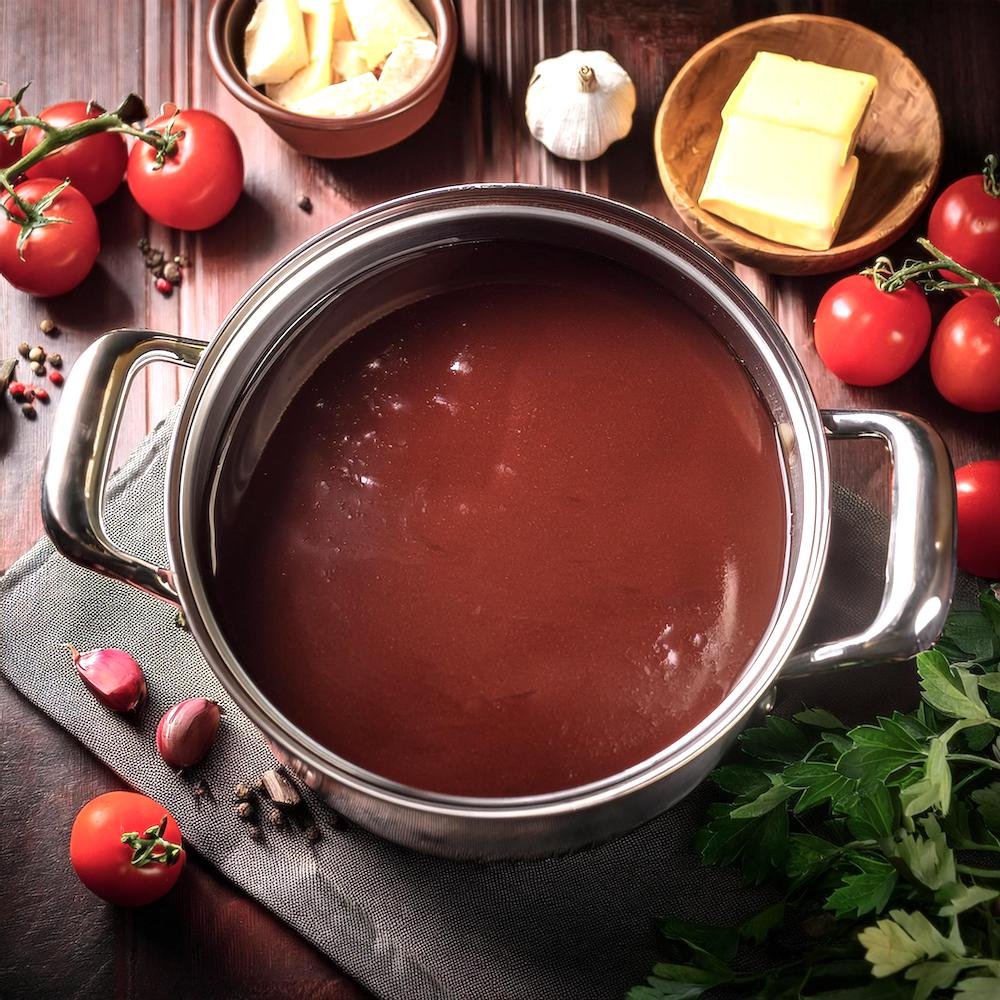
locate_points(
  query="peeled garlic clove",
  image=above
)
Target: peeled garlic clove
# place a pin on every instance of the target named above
(186, 732)
(579, 103)
(112, 676)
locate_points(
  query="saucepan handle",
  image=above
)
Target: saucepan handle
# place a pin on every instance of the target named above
(83, 438)
(920, 568)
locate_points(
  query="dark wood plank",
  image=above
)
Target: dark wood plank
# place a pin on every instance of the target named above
(54, 937)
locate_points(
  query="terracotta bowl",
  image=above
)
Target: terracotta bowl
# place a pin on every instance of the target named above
(334, 138)
(899, 146)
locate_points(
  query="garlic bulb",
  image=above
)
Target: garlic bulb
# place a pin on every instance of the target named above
(579, 103)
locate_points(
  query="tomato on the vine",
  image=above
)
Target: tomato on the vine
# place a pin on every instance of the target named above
(965, 223)
(197, 182)
(94, 165)
(126, 848)
(867, 336)
(965, 354)
(978, 490)
(10, 146)
(61, 248)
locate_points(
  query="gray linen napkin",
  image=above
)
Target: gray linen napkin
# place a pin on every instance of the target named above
(403, 925)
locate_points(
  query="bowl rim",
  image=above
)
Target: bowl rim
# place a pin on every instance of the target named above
(445, 23)
(713, 229)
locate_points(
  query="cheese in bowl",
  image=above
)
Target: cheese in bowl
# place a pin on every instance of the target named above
(337, 58)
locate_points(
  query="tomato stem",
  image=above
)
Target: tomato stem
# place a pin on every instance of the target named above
(144, 845)
(991, 183)
(888, 280)
(122, 120)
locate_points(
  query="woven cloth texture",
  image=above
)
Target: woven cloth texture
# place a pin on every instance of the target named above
(404, 925)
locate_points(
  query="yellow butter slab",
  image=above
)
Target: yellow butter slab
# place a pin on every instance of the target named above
(804, 95)
(341, 100)
(318, 73)
(341, 26)
(274, 45)
(407, 64)
(784, 184)
(380, 25)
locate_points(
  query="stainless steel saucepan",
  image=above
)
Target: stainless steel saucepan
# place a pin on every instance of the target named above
(396, 253)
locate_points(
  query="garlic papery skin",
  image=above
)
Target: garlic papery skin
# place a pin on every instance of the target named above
(579, 103)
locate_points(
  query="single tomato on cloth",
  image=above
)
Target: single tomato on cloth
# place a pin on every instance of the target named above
(50, 248)
(965, 354)
(126, 848)
(867, 336)
(94, 165)
(965, 222)
(978, 489)
(196, 182)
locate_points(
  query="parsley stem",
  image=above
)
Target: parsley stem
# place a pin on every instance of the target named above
(969, 758)
(993, 873)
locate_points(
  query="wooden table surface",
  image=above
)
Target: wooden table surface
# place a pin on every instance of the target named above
(204, 939)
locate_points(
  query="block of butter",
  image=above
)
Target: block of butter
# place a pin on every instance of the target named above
(804, 95)
(786, 184)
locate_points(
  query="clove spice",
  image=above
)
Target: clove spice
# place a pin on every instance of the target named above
(280, 790)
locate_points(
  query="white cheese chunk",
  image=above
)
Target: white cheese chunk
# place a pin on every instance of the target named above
(407, 64)
(348, 59)
(341, 100)
(380, 25)
(275, 45)
(318, 72)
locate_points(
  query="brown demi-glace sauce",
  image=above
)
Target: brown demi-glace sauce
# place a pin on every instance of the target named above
(512, 538)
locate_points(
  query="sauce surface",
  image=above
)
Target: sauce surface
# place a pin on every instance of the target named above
(511, 538)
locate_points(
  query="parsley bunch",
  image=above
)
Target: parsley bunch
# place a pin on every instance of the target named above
(883, 842)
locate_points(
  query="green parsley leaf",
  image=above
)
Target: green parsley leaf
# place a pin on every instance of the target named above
(988, 800)
(964, 897)
(820, 782)
(978, 988)
(944, 692)
(972, 632)
(777, 741)
(819, 718)
(760, 925)
(764, 802)
(867, 892)
(928, 857)
(930, 976)
(873, 813)
(741, 780)
(933, 790)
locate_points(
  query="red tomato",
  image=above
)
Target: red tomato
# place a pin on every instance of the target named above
(965, 225)
(58, 256)
(10, 149)
(869, 337)
(199, 182)
(965, 354)
(94, 165)
(104, 864)
(978, 485)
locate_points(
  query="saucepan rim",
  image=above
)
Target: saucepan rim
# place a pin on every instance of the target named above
(803, 574)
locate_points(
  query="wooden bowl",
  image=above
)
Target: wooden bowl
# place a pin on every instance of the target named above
(899, 147)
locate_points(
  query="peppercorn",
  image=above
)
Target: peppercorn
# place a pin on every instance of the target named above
(163, 286)
(56, 378)
(55, 360)
(199, 788)
(244, 810)
(143, 243)
(172, 272)
(29, 411)
(41, 394)
(29, 393)
(276, 817)
(23, 348)
(37, 368)
(155, 258)
(47, 326)
(305, 203)
(241, 793)
(16, 389)
(37, 353)
(253, 831)
(312, 833)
